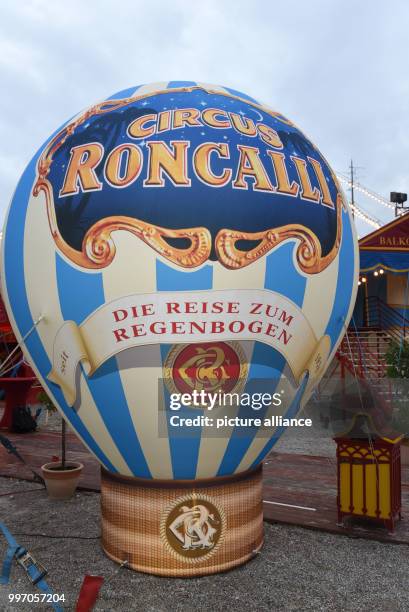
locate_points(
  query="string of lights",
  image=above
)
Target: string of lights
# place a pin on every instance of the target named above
(366, 191)
(365, 216)
(378, 272)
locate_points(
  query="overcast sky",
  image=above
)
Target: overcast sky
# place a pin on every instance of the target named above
(338, 68)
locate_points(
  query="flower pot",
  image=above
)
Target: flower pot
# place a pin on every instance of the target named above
(61, 484)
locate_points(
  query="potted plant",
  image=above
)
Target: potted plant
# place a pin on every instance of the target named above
(397, 359)
(61, 476)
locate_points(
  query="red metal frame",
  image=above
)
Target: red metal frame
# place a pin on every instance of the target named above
(355, 356)
(18, 389)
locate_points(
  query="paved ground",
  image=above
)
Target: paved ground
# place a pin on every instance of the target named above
(315, 440)
(297, 570)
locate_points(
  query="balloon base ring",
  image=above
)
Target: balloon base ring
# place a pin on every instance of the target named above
(182, 528)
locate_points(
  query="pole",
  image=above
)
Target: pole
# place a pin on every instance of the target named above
(366, 303)
(63, 443)
(352, 188)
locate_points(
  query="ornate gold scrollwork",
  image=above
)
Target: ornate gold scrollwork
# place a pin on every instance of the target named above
(98, 248)
(309, 256)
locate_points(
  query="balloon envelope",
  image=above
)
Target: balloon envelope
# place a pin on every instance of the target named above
(178, 237)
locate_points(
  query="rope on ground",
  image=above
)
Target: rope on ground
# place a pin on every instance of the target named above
(58, 537)
(20, 492)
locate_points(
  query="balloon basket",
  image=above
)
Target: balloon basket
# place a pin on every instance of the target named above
(182, 528)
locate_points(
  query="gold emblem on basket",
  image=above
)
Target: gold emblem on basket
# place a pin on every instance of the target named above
(193, 527)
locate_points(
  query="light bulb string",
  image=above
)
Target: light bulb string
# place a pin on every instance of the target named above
(367, 192)
(365, 216)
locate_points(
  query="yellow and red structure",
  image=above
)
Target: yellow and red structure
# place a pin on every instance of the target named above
(369, 479)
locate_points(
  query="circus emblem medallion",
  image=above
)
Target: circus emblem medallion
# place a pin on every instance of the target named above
(212, 367)
(193, 528)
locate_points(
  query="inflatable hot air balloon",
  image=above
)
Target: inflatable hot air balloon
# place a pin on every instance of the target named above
(179, 240)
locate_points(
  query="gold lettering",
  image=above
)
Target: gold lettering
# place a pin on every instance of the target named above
(326, 196)
(283, 183)
(243, 125)
(172, 162)
(81, 169)
(251, 165)
(164, 121)
(201, 163)
(269, 136)
(137, 128)
(209, 117)
(185, 116)
(308, 193)
(133, 165)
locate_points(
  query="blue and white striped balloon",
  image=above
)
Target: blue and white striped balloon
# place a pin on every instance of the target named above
(102, 212)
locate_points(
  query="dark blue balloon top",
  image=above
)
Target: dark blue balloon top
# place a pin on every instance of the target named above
(178, 207)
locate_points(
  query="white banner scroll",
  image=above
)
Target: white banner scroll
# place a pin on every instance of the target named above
(187, 317)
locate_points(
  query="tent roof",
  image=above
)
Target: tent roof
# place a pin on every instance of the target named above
(394, 236)
(387, 247)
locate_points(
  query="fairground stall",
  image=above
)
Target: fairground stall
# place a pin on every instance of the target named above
(384, 272)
